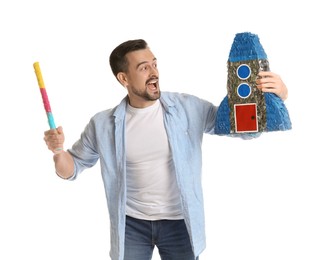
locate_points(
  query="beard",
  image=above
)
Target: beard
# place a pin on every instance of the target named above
(146, 94)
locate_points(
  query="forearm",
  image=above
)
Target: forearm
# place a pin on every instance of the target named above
(64, 164)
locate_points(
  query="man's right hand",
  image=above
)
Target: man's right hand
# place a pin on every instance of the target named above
(54, 139)
(64, 164)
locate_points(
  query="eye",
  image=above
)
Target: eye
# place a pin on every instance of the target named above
(144, 68)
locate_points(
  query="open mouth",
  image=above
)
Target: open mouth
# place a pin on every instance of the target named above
(152, 84)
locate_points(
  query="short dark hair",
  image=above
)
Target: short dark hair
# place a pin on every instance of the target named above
(117, 59)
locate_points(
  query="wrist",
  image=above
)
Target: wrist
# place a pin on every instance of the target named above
(58, 150)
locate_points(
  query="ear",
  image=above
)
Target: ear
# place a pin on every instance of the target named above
(122, 78)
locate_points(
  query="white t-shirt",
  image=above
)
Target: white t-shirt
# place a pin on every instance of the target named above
(152, 191)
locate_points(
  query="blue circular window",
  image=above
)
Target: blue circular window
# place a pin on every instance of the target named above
(244, 90)
(243, 71)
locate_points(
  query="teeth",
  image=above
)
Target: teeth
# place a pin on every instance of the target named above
(153, 81)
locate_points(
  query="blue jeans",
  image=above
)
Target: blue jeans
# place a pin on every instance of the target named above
(169, 236)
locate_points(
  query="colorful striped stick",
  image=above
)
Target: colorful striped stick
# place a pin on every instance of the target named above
(45, 99)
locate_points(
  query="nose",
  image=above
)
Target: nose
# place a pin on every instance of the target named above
(154, 71)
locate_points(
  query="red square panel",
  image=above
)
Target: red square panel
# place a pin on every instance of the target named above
(246, 117)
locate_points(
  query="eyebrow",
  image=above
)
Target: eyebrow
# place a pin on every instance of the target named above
(143, 62)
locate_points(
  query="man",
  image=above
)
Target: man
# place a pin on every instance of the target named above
(149, 148)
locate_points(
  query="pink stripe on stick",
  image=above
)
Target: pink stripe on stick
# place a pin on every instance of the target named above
(45, 99)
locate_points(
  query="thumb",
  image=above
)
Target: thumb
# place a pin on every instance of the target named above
(60, 130)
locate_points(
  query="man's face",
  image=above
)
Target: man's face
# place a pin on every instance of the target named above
(142, 78)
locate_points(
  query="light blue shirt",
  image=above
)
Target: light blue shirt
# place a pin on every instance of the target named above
(186, 119)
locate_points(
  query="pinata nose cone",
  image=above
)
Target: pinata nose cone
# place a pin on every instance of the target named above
(246, 46)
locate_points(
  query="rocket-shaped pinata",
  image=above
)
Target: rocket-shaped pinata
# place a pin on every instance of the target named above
(246, 109)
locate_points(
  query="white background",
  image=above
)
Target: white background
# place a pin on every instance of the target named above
(264, 199)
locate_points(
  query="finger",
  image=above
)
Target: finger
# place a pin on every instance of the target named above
(54, 140)
(267, 86)
(266, 74)
(263, 73)
(50, 133)
(268, 90)
(266, 81)
(60, 130)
